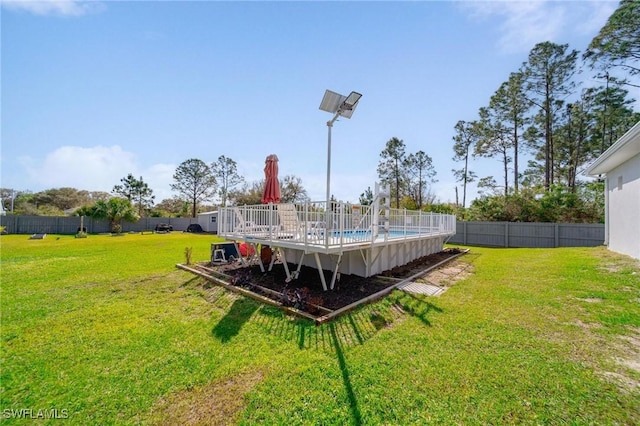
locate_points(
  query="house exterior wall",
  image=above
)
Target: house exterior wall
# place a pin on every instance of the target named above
(623, 187)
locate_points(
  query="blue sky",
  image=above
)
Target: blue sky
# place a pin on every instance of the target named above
(92, 91)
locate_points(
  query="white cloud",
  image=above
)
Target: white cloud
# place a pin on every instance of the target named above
(96, 168)
(599, 14)
(525, 23)
(55, 7)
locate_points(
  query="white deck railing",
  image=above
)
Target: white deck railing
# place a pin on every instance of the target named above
(344, 224)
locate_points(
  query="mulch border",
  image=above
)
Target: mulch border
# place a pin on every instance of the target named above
(224, 280)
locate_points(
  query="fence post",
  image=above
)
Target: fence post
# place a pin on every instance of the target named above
(556, 235)
(464, 233)
(506, 234)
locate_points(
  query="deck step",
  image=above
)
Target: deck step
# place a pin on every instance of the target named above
(421, 288)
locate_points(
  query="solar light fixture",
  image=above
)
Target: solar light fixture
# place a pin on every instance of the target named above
(352, 100)
(340, 106)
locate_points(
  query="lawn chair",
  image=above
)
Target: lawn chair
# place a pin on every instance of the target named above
(289, 223)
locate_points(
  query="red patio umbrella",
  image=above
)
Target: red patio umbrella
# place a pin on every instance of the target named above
(271, 192)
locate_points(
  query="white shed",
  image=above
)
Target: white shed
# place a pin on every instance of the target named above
(208, 221)
(620, 165)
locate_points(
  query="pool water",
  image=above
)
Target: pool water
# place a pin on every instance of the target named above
(366, 234)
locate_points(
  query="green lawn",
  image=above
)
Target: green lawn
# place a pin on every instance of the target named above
(107, 331)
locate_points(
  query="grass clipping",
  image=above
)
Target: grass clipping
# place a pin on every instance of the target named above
(217, 403)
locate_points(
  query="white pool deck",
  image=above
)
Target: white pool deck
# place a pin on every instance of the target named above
(360, 240)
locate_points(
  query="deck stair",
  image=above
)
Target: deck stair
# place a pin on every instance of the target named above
(422, 288)
(381, 209)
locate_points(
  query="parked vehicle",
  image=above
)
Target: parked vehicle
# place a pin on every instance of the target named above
(164, 227)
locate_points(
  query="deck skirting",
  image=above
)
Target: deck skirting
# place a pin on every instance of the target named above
(371, 260)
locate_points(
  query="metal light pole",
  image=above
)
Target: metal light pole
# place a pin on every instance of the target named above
(329, 126)
(340, 106)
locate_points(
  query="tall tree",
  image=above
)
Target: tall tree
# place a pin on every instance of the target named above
(494, 141)
(510, 105)
(366, 198)
(466, 136)
(292, 190)
(571, 142)
(618, 42)
(488, 186)
(226, 172)
(172, 207)
(137, 191)
(194, 180)
(613, 111)
(61, 198)
(391, 168)
(548, 80)
(248, 194)
(421, 174)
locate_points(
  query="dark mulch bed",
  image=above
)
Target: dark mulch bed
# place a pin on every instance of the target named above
(306, 292)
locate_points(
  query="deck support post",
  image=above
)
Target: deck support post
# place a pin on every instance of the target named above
(335, 271)
(296, 273)
(299, 265)
(274, 254)
(256, 255)
(283, 258)
(242, 259)
(319, 264)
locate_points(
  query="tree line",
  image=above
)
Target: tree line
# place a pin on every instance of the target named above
(541, 109)
(195, 183)
(544, 110)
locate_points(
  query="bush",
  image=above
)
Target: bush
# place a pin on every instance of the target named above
(559, 204)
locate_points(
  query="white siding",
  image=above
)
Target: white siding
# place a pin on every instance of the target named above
(208, 221)
(624, 208)
(372, 260)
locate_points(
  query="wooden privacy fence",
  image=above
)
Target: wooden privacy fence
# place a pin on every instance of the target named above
(521, 234)
(71, 224)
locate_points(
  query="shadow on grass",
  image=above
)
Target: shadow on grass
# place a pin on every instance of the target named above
(348, 330)
(351, 329)
(191, 281)
(416, 305)
(230, 325)
(351, 396)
